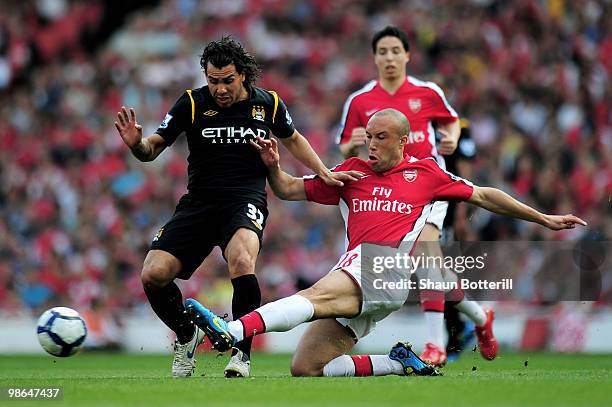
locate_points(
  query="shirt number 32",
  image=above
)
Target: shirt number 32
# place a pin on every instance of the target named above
(255, 215)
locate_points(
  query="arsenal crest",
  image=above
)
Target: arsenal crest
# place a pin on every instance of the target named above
(410, 175)
(414, 105)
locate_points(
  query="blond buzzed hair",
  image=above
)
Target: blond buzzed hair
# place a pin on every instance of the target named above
(403, 125)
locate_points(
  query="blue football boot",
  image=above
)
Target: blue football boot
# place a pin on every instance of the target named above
(215, 327)
(413, 365)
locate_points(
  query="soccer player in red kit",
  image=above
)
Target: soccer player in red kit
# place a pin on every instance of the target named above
(389, 203)
(424, 104)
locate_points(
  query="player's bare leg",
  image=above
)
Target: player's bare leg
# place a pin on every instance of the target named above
(323, 341)
(334, 295)
(324, 347)
(159, 270)
(241, 254)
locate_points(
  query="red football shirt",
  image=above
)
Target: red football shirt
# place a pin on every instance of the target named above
(388, 207)
(421, 102)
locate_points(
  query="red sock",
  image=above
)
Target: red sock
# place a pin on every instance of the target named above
(252, 324)
(455, 296)
(432, 300)
(363, 365)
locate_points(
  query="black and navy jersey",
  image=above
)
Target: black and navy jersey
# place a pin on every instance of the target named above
(466, 150)
(221, 159)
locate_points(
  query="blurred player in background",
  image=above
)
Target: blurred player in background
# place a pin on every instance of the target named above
(342, 303)
(425, 106)
(225, 204)
(457, 228)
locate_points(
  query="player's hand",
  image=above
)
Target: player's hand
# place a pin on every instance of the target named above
(268, 150)
(560, 222)
(129, 130)
(337, 179)
(447, 144)
(358, 137)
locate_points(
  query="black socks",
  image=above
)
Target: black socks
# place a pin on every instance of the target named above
(167, 302)
(247, 297)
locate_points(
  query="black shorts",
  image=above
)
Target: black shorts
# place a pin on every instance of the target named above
(198, 226)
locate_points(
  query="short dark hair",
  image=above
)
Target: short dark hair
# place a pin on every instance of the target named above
(229, 51)
(391, 31)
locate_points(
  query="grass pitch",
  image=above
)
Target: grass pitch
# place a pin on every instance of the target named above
(513, 379)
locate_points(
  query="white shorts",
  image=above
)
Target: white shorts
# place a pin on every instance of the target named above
(376, 303)
(438, 213)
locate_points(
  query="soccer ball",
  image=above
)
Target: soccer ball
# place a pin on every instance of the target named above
(61, 331)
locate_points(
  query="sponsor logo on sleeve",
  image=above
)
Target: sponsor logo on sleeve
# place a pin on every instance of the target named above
(164, 123)
(158, 234)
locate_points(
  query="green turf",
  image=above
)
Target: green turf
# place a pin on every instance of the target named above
(139, 380)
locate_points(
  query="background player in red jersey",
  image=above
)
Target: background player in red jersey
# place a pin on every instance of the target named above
(339, 303)
(425, 106)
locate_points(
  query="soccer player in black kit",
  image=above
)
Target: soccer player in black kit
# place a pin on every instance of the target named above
(225, 204)
(460, 332)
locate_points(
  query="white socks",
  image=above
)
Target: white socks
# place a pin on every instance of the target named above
(435, 328)
(363, 365)
(473, 311)
(382, 365)
(341, 366)
(278, 316)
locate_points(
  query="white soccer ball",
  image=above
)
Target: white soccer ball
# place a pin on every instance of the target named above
(61, 331)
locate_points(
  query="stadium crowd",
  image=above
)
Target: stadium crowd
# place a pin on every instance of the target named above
(77, 211)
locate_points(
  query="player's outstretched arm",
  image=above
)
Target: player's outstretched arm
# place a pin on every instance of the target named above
(301, 149)
(145, 149)
(500, 202)
(285, 186)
